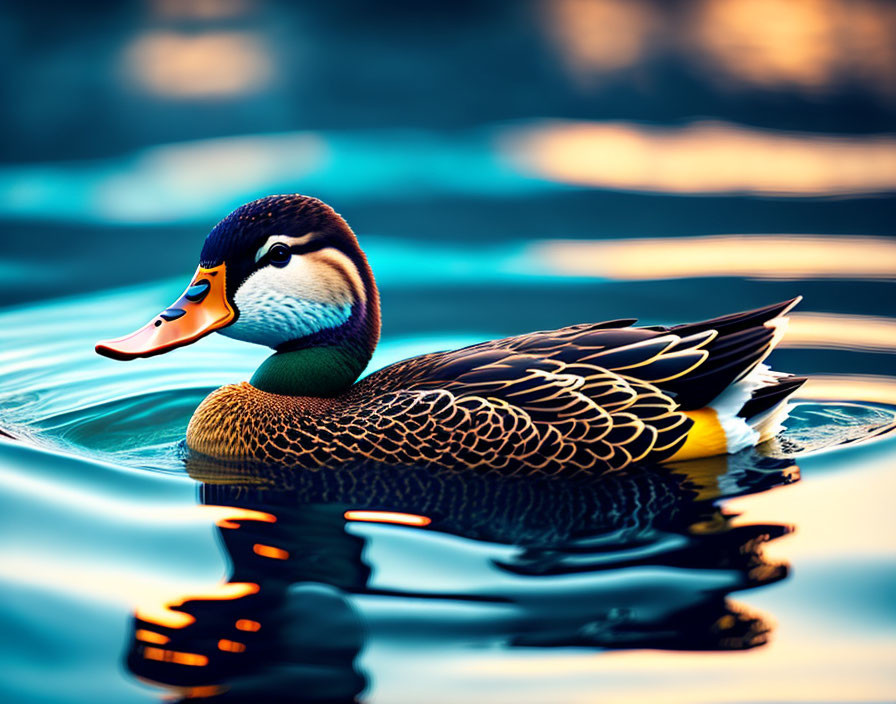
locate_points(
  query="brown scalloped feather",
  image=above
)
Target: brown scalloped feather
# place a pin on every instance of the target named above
(586, 398)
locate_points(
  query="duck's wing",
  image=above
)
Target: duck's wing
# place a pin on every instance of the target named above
(695, 362)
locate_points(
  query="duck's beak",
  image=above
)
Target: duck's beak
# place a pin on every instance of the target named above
(203, 308)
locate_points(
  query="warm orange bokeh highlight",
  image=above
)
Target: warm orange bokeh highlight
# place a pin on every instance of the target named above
(231, 646)
(595, 37)
(270, 551)
(404, 519)
(228, 515)
(145, 636)
(810, 46)
(749, 256)
(707, 157)
(245, 624)
(768, 42)
(797, 44)
(175, 656)
(166, 613)
(205, 65)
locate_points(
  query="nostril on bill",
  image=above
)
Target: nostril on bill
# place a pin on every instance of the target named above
(197, 291)
(172, 313)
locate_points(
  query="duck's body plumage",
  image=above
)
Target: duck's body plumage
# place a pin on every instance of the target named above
(287, 272)
(590, 397)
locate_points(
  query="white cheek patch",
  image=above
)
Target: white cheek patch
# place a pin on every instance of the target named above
(271, 319)
(278, 304)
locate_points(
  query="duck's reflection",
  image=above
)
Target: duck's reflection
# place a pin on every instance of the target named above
(280, 629)
(641, 559)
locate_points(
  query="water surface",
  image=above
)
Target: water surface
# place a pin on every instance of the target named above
(756, 577)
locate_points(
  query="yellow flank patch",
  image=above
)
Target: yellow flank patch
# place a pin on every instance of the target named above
(705, 439)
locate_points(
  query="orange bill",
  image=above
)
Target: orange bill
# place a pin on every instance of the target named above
(203, 308)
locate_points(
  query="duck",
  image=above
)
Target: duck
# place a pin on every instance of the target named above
(288, 272)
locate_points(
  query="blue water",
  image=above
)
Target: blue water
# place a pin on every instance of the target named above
(765, 576)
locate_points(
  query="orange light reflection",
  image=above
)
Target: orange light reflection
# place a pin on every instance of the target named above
(228, 515)
(142, 634)
(270, 551)
(245, 624)
(166, 613)
(404, 519)
(175, 656)
(231, 646)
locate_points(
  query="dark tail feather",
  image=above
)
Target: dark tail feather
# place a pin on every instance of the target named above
(743, 340)
(736, 322)
(730, 358)
(767, 397)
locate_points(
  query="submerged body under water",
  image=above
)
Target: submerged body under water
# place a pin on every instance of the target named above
(132, 569)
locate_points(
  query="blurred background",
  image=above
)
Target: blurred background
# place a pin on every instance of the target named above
(444, 132)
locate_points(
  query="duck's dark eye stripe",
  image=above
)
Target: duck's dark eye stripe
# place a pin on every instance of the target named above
(309, 247)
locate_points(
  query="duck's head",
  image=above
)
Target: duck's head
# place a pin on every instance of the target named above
(285, 272)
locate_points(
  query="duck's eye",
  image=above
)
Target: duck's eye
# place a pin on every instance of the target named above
(279, 254)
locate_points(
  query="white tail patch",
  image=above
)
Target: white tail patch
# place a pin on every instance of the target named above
(741, 433)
